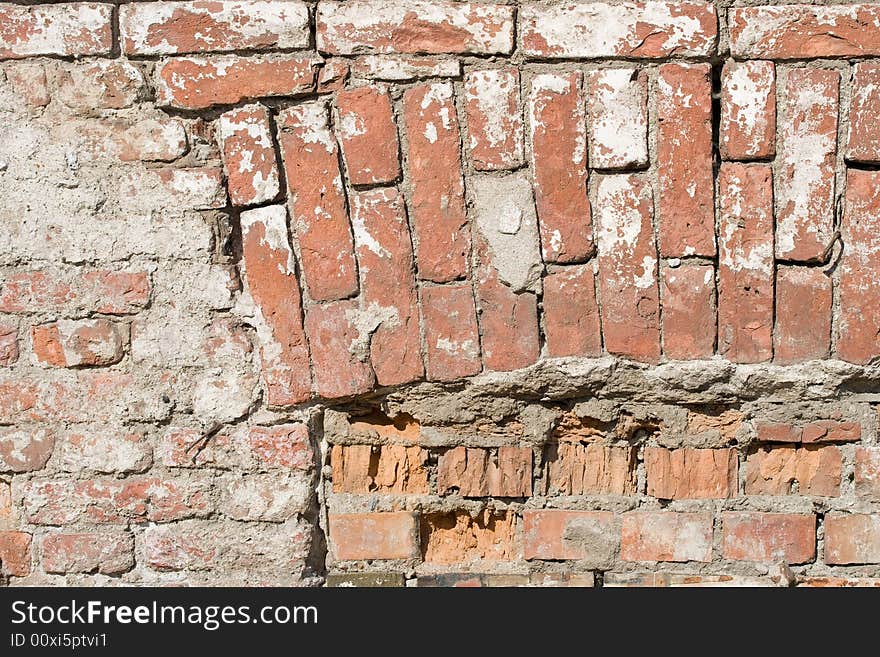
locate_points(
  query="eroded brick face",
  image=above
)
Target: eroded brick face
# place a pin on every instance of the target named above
(439, 293)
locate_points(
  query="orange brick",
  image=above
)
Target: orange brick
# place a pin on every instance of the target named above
(675, 474)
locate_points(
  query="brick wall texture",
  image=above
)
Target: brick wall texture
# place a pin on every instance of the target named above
(437, 292)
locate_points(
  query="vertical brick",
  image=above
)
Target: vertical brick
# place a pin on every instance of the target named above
(573, 468)
(102, 552)
(680, 474)
(768, 537)
(684, 160)
(666, 536)
(319, 216)
(748, 110)
(745, 265)
(557, 131)
(859, 328)
(438, 210)
(389, 296)
(571, 314)
(249, 155)
(852, 539)
(495, 130)
(452, 339)
(475, 472)
(368, 135)
(270, 273)
(569, 535)
(803, 314)
(338, 338)
(807, 152)
(863, 141)
(867, 472)
(355, 536)
(618, 118)
(689, 323)
(70, 29)
(776, 471)
(8, 344)
(86, 342)
(15, 553)
(628, 288)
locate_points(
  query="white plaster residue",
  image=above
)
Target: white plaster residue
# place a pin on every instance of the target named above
(543, 85)
(620, 222)
(274, 221)
(397, 68)
(734, 252)
(430, 132)
(747, 86)
(495, 92)
(556, 241)
(351, 125)
(647, 277)
(309, 122)
(363, 205)
(439, 94)
(365, 322)
(465, 348)
(618, 123)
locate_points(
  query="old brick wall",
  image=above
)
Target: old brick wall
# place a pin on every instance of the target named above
(437, 292)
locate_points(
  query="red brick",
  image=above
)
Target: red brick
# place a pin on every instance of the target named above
(270, 273)
(116, 292)
(452, 339)
(628, 289)
(151, 140)
(684, 161)
(689, 323)
(477, 472)
(249, 155)
(8, 344)
(570, 535)
(618, 118)
(745, 266)
(666, 536)
(573, 468)
(867, 472)
(748, 110)
(438, 209)
(320, 219)
(384, 254)
(803, 314)
(196, 83)
(161, 28)
(682, 474)
(802, 31)
(414, 26)
(863, 142)
(70, 29)
(85, 342)
(368, 135)
(459, 538)
(282, 446)
(641, 29)
(400, 68)
(355, 536)
(775, 471)
(111, 84)
(807, 159)
(105, 553)
(337, 340)
(828, 431)
(571, 314)
(494, 119)
(15, 553)
(24, 449)
(778, 432)
(557, 130)
(383, 469)
(852, 538)
(103, 449)
(838, 582)
(768, 537)
(333, 75)
(859, 327)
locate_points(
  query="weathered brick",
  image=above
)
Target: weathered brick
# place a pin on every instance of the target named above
(867, 472)
(863, 141)
(776, 471)
(101, 552)
(168, 28)
(100, 85)
(272, 497)
(808, 153)
(803, 314)
(640, 29)
(852, 538)
(745, 265)
(15, 553)
(748, 110)
(400, 469)
(8, 344)
(452, 338)
(248, 150)
(384, 254)
(318, 208)
(821, 431)
(355, 536)
(102, 449)
(196, 188)
(151, 140)
(628, 288)
(281, 446)
(476, 472)
(557, 132)
(494, 119)
(401, 68)
(368, 135)
(571, 314)
(838, 582)
(768, 537)
(573, 468)
(69, 29)
(458, 538)
(684, 158)
(365, 580)
(859, 325)
(86, 342)
(195, 83)
(689, 323)
(7, 517)
(677, 474)
(438, 210)
(414, 26)
(337, 344)
(28, 80)
(666, 536)
(618, 118)
(24, 449)
(570, 535)
(333, 75)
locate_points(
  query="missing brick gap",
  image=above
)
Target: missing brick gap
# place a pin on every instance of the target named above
(717, 67)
